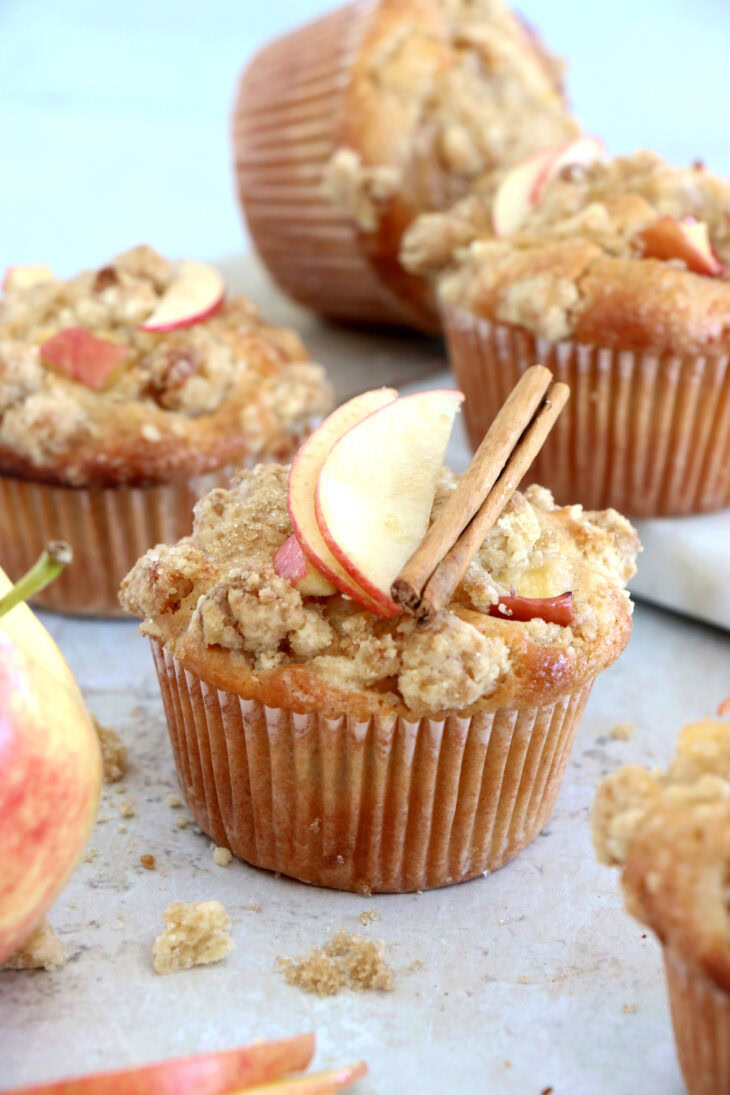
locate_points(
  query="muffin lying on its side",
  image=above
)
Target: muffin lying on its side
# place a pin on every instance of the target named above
(125, 394)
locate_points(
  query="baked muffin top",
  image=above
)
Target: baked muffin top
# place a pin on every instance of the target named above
(216, 601)
(87, 396)
(607, 255)
(442, 92)
(670, 831)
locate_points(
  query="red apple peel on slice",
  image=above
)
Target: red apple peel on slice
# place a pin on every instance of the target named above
(554, 610)
(290, 562)
(195, 295)
(316, 1083)
(688, 240)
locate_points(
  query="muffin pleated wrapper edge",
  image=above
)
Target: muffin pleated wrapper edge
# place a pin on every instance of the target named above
(646, 433)
(107, 528)
(286, 126)
(701, 1021)
(383, 805)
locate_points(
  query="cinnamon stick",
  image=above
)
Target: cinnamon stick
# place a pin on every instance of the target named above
(484, 470)
(450, 570)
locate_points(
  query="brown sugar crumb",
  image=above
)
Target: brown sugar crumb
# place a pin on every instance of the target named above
(183, 822)
(91, 855)
(368, 916)
(148, 861)
(195, 935)
(221, 856)
(346, 961)
(126, 808)
(173, 801)
(114, 753)
(43, 950)
(622, 731)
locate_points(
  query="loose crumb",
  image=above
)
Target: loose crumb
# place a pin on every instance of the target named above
(524, 980)
(368, 916)
(415, 965)
(345, 961)
(148, 861)
(195, 934)
(114, 753)
(630, 1009)
(43, 950)
(91, 855)
(363, 889)
(183, 821)
(126, 808)
(121, 828)
(254, 908)
(173, 801)
(101, 819)
(622, 731)
(221, 856)
(547, 1091)
(314, 825)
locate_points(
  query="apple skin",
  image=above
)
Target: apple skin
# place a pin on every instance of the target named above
(194, 296)
(582, 151)
(291, 562)
(50, 774)
(203, 1074)
(303, 475)
(319, 1083)
(667, 238)
(84, 357)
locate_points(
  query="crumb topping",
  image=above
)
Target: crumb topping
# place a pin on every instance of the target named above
(670, 831)
(194, 935)
(114, 753)
(217, 590)
(345, 961)
(43, 950)
(232, 364)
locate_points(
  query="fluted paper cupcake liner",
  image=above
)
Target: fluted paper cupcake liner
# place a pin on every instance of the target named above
(385, 805)
(108, 529)
(646, 433)
(286, 126)
(701, 1020)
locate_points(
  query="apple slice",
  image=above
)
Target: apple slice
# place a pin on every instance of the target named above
(22, 277)
(688, 240)
(316, 1083)
(205, 1074)
(195, 294)
(303, 477)
(581, 152)
(513, 199)
(83, 357)
(554, 610)
(376, 487)
(291, 562)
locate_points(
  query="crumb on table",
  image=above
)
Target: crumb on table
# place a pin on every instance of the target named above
(195, 934)
(114, 753)
(148, 861)
(126, 808)
(368, 916)
(622, 731)
(345, 961)
(221, 856)
(43, 950)
(173, 801)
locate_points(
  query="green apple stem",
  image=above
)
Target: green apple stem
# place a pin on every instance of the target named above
(56, 556)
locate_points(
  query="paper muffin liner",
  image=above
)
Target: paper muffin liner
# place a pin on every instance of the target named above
(383, 805)
(646, 433)
(286, 126)
(108, 529)
(701, 1021)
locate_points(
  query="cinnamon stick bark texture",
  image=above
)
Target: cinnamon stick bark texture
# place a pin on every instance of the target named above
(489, 460)
(427, 583)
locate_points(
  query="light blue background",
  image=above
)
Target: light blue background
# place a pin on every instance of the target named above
(114, 116)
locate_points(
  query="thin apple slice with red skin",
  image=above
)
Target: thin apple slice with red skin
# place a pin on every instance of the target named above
(291, 562)
(688, 240)
(581, 152)
(205, 1074)
(303, 477)
(554, 610)
(513, 199)
(376, 488)
(23, 277)
(316, 1083)
(195, 295)
(84, 357)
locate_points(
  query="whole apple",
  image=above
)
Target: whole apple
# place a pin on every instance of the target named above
(50, 773)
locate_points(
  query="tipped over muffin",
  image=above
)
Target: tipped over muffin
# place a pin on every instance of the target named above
(126, 393)
(320, 732)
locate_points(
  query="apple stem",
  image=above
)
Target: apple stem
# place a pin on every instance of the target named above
(55, 557)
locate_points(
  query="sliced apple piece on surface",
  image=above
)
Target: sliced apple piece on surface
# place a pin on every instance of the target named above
(376, 488)
(291, 562)
(205, 1074)
(22, 277)
(581, 152)
(84, 357)
(303, 477)
(554, 610)
(513, 199)
(195, 295)
(688, 240)
(316, 1083)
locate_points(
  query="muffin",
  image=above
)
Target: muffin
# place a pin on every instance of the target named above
(349, 746)
(125, 394)
(614, 276)
(670, 834)
(346, 129)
